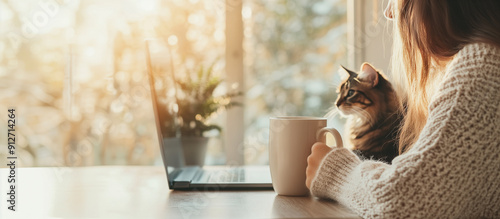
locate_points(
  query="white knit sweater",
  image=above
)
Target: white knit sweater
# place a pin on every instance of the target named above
(452, 171)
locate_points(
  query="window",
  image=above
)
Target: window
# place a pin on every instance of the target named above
(75, 71)
(292, 53)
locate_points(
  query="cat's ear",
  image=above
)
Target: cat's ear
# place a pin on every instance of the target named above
(351, 73)
(368, 74)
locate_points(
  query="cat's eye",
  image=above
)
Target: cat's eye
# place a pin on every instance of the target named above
(350, 93)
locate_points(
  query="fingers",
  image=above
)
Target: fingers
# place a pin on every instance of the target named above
(310, 174)
(318, 151)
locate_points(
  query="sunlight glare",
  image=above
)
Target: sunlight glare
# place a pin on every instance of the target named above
(246, 12)
(172, 40)
(176, 108)
(90, 51)
(148, 5)
(196, 19)
(192, 35)
(219, 35)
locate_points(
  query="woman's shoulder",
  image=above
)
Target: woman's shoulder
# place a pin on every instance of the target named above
(472, 78)
(480, 50)
(476, 60)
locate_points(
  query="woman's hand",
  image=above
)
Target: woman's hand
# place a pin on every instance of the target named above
(318, 151)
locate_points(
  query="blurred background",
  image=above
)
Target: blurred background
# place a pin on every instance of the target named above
(75, 72)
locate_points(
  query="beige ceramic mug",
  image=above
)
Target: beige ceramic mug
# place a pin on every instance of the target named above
(290, 142)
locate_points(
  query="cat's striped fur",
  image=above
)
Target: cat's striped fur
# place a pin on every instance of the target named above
(371, 105)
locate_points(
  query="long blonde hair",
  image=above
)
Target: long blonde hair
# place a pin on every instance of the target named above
(427, 34)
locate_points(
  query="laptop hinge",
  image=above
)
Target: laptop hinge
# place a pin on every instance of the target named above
(182, 184)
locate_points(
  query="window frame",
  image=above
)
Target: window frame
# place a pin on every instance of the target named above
(367, 35)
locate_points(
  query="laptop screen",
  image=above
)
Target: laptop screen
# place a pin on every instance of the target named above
(163, 95)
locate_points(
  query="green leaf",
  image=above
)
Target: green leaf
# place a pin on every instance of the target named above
(198, 99)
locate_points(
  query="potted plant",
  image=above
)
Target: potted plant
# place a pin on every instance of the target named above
(196, 105)
(166, 103)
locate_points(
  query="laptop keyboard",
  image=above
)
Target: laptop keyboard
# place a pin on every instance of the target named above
(228, 175)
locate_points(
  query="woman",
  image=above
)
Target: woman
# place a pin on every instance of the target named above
(449, 165)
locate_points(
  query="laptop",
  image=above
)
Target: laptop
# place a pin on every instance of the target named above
(179, 176)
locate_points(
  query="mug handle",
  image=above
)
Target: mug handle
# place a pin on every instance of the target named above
(320, 136)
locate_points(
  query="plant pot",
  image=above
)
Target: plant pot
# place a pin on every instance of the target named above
(195, 149)
(173, 152)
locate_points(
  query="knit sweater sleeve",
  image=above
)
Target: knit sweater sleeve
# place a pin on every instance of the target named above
(451, 171)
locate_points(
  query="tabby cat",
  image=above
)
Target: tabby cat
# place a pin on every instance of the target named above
(371, 105)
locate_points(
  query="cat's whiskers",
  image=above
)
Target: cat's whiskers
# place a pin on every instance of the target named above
(363, 115)
(332, 112)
